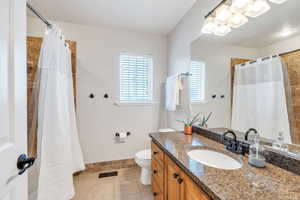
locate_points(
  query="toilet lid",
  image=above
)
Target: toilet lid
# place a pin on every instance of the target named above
(145, 154)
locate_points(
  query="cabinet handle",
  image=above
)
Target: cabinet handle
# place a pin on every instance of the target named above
(155, 171)
(155, 194)
(180, 180)
(175, 175)
(155, 152)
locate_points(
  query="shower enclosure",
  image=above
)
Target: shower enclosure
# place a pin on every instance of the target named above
(260, 98)
(52, 125)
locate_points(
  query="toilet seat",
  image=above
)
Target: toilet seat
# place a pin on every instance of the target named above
(145, 154)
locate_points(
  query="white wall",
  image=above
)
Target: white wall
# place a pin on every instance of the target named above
(180, 51)
(217, 58)
(282, 46)
(98, 50)
(179, 46)
(186, 31)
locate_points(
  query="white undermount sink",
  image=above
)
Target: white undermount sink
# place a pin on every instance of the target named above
(214, 159)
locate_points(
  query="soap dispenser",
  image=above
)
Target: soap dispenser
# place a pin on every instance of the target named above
(280, 144)
(257, 153)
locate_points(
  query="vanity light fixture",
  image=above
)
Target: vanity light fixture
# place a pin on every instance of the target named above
(222, 30)
(223, 14)
(237, 20)
(240, 6)
(233, 14)
(257, 8)
(209, 25)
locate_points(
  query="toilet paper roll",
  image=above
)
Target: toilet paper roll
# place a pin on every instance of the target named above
(123, 135)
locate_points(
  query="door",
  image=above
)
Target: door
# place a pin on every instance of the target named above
(12, 98)
(172, 176)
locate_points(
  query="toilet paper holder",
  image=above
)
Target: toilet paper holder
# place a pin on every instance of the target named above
(118, 134)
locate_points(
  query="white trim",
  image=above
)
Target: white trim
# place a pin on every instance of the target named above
(200, 102)
(151, 103)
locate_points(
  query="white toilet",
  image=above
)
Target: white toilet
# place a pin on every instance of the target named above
(143, 159)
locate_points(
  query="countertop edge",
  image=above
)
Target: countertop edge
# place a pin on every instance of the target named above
(204, 187)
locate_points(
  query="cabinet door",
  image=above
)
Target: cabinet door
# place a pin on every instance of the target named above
(157, 175)
(172, 173)
(157, 154)
(157, 193)
(189, 190)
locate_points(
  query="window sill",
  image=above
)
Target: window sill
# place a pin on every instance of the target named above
(121, 104)
(199, 102)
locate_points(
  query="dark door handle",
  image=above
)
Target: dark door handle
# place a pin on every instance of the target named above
(175, 175)
(155, 171)
(180, 180)
(24, 163)
(155, 194)
(155, 152)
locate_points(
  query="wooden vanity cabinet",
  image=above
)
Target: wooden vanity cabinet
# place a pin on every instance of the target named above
(173, 189)
(157, 168)
(191, 191)
(169, 182)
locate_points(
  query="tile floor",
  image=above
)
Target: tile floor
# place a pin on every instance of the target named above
(125, 186)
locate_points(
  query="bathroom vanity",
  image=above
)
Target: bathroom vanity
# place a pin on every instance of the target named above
(170, 181)
(175, 176)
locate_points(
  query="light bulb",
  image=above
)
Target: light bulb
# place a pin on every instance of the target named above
(208, 25)
(278, 1)
(257, 8)
(223, 13)
(237, 20)
(240, 5)
(222, 30)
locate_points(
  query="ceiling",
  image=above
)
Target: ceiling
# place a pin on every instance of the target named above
(151, 16)
(280, 23)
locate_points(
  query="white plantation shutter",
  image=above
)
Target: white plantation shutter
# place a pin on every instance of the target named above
(135, 78)
(197, 81)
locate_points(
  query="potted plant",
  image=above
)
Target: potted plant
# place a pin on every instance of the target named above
(189, 123)
(204, 120)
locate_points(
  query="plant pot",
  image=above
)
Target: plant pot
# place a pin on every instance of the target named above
(188, 130)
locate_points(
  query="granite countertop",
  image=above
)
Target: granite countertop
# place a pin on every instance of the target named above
(247, 183)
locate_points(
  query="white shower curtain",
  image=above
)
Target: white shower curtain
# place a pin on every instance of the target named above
(59, 152)
(259, 99)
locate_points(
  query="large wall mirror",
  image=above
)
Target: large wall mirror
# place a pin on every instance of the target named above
(260, 65)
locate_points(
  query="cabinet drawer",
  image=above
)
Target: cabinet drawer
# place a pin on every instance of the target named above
(157, 193)
(157, 154)
(157, 174)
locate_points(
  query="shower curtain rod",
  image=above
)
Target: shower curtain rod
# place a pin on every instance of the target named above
(39, 15)
(266, 58)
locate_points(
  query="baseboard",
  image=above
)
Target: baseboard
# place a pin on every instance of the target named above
(110, 165)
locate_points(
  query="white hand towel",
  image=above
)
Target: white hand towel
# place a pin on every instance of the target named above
(173, 87)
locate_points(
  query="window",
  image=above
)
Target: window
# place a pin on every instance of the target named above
(197, 81)
(135, 78)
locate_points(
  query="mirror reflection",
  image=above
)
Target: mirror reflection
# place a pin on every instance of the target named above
(261, 80)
